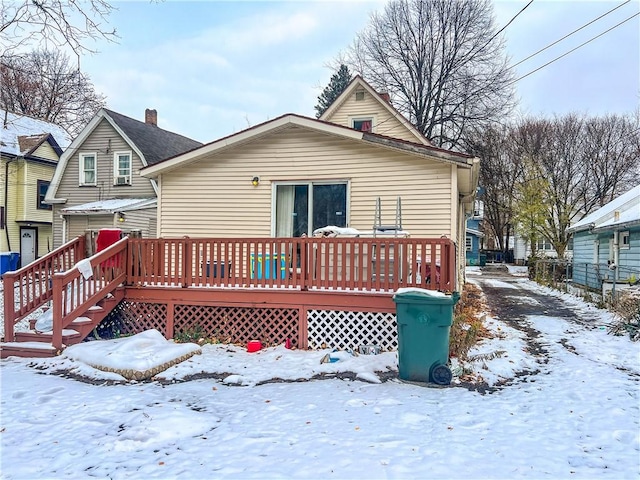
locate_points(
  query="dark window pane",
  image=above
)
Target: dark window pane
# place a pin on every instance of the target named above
(329, 205)
(301, 210)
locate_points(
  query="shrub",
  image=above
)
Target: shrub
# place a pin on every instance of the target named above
(467, 327)
(627, 310)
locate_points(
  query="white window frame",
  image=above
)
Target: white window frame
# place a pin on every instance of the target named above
(81, 169)
(116, 168)
(624, 241)
(364, 118)
(596, 251)
(469, 243)
(310, 183)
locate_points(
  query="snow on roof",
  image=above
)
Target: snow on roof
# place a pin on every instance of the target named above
(626, 205)
(110, 206)
(14, 126)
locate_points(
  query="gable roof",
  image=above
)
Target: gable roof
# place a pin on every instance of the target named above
(151, 143)
(358, 82)
(291, 119)
(622, 212)
(21, 135)
(154, 143)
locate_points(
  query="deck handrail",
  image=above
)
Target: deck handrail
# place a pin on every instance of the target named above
(74, 293)
(355, 263)
(30, 287)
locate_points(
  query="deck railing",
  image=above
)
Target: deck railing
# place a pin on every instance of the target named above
(74, 292)
(30, 287)
(362, 264)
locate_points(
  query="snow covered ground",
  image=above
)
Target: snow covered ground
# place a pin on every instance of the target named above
(575, 414)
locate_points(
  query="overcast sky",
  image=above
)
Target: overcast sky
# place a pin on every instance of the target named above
(214, 68)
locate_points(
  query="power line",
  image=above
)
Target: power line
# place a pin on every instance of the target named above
(569, 34)
(574, 49)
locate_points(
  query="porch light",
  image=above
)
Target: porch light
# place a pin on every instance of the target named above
(120, 217)
(255, 181)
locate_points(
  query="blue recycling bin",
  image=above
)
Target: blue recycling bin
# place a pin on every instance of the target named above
(9, 262)
(267, 266)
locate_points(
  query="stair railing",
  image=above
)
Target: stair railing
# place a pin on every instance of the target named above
(74, 293)
(30, 287)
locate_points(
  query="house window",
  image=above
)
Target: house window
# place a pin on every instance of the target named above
(363, 124)
(303, 207)
(624, 240)
(544, 244)
(596, 251)
(469, 243)
(88, 169)
(122, 168)
(359, 96)
(42, 191)
(2, 219)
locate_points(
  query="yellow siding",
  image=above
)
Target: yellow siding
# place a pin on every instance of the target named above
(32, 173)
(385, 123)
(45, 151)
(14, 203)
(214, 197)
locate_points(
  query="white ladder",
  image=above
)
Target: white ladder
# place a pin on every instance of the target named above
(378, 227)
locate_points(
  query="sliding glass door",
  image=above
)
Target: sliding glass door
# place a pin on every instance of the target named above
(324, 203)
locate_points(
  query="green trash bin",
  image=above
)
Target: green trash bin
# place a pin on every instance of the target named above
(424, 318)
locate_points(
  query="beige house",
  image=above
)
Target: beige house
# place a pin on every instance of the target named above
(292, 175)
(29, 152)
(97, 183)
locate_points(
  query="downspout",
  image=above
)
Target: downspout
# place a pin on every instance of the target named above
(64, 229)
(6, 201)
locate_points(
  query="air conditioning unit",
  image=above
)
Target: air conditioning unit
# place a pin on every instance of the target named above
(122, 180)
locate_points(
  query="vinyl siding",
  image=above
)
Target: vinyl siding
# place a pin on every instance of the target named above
(630, 257)
(32, 173)
(214, 196)
(385, 123)
(104, 136)
(45, 151)
(144, 220)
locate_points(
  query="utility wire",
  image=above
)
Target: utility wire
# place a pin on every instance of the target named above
(569, 34)
(574, 49)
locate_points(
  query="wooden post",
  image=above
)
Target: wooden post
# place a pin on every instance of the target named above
(56, 339)
(9, 306)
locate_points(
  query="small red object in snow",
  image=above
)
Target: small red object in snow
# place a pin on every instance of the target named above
(287, 343)
(253, 346)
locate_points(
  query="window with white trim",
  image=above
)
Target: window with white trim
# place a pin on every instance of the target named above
(88, 169)
(544, 244)
(122, 168)
(302, 207)
(596, 251)
(624, 240)
(469, 243)
(364, 124)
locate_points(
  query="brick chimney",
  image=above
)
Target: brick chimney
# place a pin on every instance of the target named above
(151, 117)
(385, 96)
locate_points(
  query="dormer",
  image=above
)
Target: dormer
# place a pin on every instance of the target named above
(362, 108)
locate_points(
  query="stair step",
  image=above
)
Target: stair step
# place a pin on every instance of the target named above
(45, 337)
(82, 321)
(27, 350)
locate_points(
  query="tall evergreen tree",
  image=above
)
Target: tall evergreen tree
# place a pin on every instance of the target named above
(337, 84)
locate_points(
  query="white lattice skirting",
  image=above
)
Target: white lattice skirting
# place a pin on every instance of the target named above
(348, 330)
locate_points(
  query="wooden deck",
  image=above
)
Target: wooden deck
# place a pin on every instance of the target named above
(273, 289)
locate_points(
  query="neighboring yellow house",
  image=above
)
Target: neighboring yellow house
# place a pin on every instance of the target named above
(294, 174)
(29, 151)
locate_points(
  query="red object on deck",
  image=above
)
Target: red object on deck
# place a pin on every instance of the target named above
(107, 237)
(253, 346)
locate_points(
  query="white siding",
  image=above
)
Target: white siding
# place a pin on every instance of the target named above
(215, 197)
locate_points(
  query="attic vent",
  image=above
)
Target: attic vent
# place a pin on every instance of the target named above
(360, 95)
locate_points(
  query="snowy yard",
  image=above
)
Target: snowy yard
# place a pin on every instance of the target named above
(282, 413)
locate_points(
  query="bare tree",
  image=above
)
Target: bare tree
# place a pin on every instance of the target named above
(500, 172)
(53, 23)
(612, 149)
(44, 85)
(441, 61)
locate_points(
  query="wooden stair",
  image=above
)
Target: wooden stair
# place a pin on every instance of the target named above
(32, 344)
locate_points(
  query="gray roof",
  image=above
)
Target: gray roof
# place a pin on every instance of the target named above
(155, 143)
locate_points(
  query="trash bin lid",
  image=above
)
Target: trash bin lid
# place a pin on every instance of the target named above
(422, 295)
